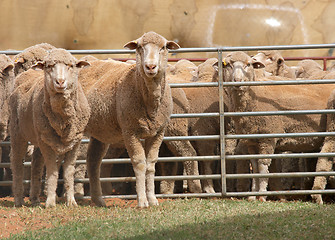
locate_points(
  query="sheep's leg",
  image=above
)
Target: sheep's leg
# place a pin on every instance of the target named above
(184, 148)
(151, 149)
(52, 169)
(79, 173)
(106, 187)
(255, 181)
(96, 151)
(263, 167)
(207, 148)
(167, 169)
(69, 169)
(324, 164)
(137, 156)
(37, 166)
(17, 153)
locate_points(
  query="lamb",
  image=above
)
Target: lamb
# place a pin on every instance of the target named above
(49, 109)
(239, 67)
(129, 102)
(274, 63)
(324, 163)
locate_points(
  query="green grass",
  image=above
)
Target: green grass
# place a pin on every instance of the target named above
(197, 219)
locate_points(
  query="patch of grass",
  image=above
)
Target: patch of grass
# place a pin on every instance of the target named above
(195, 219)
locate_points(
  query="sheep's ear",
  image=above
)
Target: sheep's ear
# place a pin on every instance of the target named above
(38, 66)
(280, 61)
(171, 45)
(257, 64)
(216, 63)
(82, 64)
(9, 68)
(131, 45)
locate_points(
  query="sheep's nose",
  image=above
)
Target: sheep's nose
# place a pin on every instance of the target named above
(150, 66)
(60, 82)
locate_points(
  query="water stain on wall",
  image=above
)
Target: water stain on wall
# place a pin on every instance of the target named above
(83, 15)
(183, 19)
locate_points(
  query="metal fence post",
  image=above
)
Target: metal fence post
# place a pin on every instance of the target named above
(222, 130)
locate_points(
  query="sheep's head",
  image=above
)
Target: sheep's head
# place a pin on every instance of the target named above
(30, 56)
(60, 70)
(272, 60)
(6, 67)
(151, 52)
(239, 67)
(307, 68)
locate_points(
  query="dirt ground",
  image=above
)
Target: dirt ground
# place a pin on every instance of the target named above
(14, 221)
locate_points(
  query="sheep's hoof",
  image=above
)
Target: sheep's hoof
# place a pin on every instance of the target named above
(142, 203)
(262, 199)
(18, 202)
(252, 198)
(153, 201)
(195, 187)
(71, 203)
(99, 202)
(317, 198)
(35, 202)
(209, 189)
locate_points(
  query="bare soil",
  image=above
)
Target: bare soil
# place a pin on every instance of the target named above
(16, 220)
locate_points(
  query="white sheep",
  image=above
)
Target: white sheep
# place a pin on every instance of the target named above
(129, 102)
(49, 109)
(239, 67)
(274, 64)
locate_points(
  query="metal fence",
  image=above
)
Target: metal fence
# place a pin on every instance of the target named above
(221, 137)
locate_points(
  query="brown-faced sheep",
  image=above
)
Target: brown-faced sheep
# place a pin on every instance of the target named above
(239, 67)
(274, 63)
(325, 164)
(49, 109)
(129, 102)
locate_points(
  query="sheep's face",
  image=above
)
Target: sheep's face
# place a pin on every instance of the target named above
(151, 52)
(239, 67)
(272, 61)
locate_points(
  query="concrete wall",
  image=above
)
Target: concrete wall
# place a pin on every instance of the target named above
(109, 24)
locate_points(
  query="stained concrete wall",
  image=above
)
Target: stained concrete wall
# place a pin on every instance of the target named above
(109, 24)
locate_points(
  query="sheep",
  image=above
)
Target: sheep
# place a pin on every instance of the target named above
(310, 69)
(22, 62)
(324, 163)
(49, 109)
(203, 100)
(239, 67)
(206, 100)
(30, 56)
(274, 64)
(6, 86)
(129, 102)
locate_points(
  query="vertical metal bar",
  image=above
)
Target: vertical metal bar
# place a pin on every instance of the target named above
(222, 129)
(325, 64)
